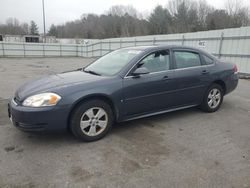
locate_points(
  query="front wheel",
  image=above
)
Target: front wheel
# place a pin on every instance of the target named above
(91, 120)
(212, 99)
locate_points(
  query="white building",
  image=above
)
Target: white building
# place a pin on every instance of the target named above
(27, 38)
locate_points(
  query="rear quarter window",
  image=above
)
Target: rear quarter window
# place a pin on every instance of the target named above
(208, 60)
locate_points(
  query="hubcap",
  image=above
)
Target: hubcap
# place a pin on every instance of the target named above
(94, 121)
(214, 98)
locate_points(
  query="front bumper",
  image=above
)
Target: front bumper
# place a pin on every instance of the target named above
(45, 119)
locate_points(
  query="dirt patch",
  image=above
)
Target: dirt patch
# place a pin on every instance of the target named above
(37, 66)
(20, 150)
(119, 164)
(27, 184)
(13, 148)
(142, 143)
(80, 174)
(129, 166)
(9, 148)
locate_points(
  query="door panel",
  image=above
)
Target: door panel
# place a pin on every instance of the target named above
(189, 86)
(188, 77)
(148, 93)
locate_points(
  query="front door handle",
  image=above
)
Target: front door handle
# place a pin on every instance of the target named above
(166, 78)
(205, 72)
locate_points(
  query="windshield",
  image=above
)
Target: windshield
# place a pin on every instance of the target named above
(112, 63)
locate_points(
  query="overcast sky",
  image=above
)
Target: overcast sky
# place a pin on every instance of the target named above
(60, 11)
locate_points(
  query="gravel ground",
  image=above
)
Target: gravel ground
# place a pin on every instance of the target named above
(187, 148)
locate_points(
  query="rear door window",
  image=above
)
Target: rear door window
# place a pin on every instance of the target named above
(185, 59)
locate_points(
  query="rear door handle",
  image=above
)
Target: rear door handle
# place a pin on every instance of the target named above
(205, 72)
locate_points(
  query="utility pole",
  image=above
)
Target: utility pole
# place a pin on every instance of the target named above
(44, 29)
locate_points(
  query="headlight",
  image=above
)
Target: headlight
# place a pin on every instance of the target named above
(43, 99)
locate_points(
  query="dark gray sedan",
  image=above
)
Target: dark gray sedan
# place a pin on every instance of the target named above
(123, 85)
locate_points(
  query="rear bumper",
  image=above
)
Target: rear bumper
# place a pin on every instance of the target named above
(232, 83)
(44, 119)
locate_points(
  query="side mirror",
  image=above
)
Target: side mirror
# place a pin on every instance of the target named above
(139, 71)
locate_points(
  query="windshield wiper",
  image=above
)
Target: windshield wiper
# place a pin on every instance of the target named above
(92, 72)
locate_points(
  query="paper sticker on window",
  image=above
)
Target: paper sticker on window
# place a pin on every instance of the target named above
(134, 51)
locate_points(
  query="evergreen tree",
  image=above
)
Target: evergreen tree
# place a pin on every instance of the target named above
(33, 28)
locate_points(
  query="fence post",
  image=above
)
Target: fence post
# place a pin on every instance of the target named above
(109, 45)
(43, 50)
(76, 50)
(183, 40)
(101, 48)
(135, 41)
(3, 49)
(87, 50)
(120, 43)
(154, 41)
(82, 50)
(92, 50)
(24, 53)
(60, 50)
(221, 42)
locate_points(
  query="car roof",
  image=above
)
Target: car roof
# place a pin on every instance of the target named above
(146, 48)
(151, 48)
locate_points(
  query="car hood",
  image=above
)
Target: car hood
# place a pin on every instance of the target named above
(51, 82)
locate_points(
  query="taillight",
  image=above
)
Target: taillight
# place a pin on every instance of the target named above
(235, 69)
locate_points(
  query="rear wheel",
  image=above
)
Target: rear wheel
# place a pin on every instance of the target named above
(91, 120)
(212, 99)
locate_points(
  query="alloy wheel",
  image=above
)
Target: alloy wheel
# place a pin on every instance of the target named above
(214, 98)
(94, 121)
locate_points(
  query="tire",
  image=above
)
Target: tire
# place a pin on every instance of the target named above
(212, 99)
(91, 120)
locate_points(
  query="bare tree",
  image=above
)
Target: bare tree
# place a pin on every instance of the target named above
(238, 13)
(121, 10)
(233, 7)
(25, 28)
(203, 9)
(160, 21)
(13, 27)
(218, 19)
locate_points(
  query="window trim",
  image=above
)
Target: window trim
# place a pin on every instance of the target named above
(127, 75)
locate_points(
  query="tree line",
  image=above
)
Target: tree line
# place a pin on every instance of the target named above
(14, 27)
(178, 16)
